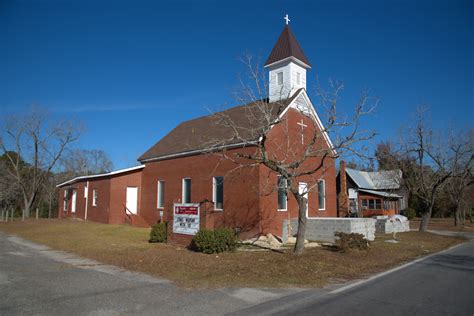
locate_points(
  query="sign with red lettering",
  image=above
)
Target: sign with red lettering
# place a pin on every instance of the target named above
(186, 219)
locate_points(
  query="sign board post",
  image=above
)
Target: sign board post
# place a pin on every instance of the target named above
(186, 219)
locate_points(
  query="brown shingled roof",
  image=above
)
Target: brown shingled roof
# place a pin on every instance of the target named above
(211, 130)
(286, 46)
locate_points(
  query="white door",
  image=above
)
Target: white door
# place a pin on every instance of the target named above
(303, 189)
(132, 199)
(73, 206)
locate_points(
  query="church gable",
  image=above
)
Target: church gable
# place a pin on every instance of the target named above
(302, 103)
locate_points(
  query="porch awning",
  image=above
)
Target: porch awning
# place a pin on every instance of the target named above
(382, 193)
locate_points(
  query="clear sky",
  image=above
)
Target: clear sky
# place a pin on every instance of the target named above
(132, 70)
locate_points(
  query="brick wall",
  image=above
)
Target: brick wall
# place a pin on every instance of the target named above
(285, 143)
(241, 187)
(100, 212)
(80, 201)
(118, 194)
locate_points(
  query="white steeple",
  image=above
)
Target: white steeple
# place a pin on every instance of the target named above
(287, 66)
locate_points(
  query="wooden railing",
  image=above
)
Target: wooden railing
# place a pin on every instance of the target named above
(128, 214)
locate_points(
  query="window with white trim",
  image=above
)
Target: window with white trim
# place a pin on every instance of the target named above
(280, 78)
(186, 190)
(372, 204)
(94, 197)
(160, 199)
(282, 193)
(298, 78)
(378, 204)
(321, 195)
(218, 192)
(65, 201)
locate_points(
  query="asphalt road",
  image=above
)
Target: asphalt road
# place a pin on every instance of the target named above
(37, 280)
(442, 284)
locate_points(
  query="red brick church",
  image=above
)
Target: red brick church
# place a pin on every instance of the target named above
(186, 173)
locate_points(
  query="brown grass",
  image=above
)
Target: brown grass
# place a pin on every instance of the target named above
(128, 247)
(443, 224)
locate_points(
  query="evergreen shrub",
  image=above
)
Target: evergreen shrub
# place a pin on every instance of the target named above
(409, 213)
(158, 232)
(215, 241)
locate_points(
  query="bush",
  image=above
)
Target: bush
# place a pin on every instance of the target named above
(215, 241)
(158, 232)
(351, 241)
(409, 213)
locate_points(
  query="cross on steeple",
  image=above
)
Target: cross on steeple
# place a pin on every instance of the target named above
(303, 125)
(287, 19)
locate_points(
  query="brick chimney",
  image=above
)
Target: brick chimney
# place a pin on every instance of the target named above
(343, 199)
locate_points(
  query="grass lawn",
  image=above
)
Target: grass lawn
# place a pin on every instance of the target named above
(443, 224)
(127, 247)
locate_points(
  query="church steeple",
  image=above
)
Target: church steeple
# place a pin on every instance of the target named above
(287, 65)
(287, 46)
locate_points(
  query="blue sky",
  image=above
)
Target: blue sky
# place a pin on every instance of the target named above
(132, 70)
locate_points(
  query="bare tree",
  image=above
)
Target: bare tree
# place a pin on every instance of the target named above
(33, 144)
(290, 156)
(463, 176)
(385, 156)
(9, 193)
(80, 162)
(49, 191)
(428, 160)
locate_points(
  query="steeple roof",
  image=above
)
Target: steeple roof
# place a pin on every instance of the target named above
(286, 46)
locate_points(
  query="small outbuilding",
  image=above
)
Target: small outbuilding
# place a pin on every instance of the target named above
(366, 194)
(110, 198)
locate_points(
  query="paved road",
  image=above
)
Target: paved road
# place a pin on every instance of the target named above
(442, 284)
(37, 280)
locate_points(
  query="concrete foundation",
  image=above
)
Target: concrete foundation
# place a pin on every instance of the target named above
(323, 229)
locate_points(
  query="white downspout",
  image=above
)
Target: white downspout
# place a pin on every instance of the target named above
(87, 200)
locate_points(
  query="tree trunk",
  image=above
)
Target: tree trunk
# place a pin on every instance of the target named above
(27, 207)
(26, 211)
(456, 217)
(299, 245)
(425, 218)
(49, 207)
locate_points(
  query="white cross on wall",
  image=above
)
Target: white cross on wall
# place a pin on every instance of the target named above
(303, 125)
(287, 19)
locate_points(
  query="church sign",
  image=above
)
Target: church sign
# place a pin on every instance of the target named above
(186, 219)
